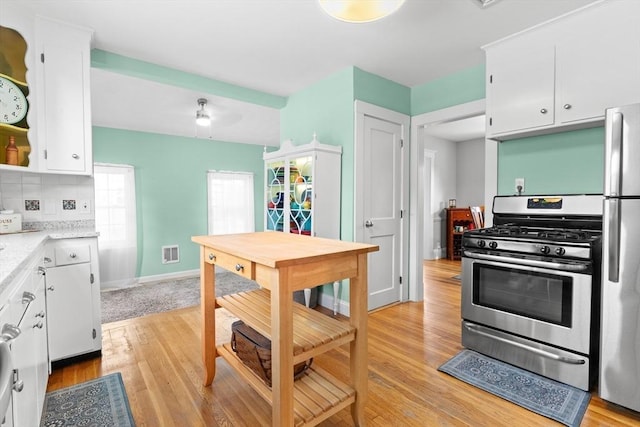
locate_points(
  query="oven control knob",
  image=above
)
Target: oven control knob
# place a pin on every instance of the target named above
(493, 245)
(560, 251)
(481, 243)
(545, 249)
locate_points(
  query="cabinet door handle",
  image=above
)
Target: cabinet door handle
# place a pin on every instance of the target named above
(75, 156)
(543, 110)
(239, 267)
(212, 257)
(51, 288)
(567, 106)
(18, 386)
(39, 325)
(368, 223)
(47, 259)
(42, 271)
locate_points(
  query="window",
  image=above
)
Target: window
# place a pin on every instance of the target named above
(116, 222)
(231, 205)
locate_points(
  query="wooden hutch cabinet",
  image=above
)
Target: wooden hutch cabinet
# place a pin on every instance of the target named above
(456, 218)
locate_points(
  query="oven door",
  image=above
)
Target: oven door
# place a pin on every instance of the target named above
(535, 302)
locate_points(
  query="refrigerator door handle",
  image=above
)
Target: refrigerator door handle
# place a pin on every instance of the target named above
(614, 239)
(613, 168)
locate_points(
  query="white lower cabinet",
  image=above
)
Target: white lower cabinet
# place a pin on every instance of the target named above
(24, 310)
(73, 298)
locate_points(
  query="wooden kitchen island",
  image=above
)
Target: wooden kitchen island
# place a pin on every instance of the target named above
(282, 263)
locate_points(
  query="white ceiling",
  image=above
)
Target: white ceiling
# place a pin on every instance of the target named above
(459, 130)
(278, 47)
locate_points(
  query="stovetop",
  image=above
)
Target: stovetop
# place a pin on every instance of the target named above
(537, 233)
(557, 226)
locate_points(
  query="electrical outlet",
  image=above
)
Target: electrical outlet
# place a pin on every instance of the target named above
(84, 206)
(519, 185)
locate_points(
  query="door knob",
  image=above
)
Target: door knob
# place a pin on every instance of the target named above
(368, 223)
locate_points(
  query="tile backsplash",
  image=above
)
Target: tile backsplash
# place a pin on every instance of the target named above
(48, 198)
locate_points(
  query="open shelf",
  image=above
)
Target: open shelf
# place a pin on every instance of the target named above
(316, 396)
(313, 332)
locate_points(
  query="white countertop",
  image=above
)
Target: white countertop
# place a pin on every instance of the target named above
(16, 249)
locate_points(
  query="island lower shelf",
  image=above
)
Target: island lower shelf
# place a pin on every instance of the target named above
(313, 332)
(316, 396)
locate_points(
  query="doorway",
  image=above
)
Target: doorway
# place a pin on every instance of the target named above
(457, 123)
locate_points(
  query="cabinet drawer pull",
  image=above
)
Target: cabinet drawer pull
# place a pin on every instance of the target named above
(51, 288)
(543, 110)
(75, 156)
(212, 257)
(39, 325)
(27, 297)
(41, 314)
(42, 271)
(72, 255)
(9, 332)
(566, 106)
(239, 267)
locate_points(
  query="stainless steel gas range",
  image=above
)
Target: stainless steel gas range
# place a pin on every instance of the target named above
(531, 285)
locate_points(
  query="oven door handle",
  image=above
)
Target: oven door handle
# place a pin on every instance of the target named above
(570, 360)
(528, 262)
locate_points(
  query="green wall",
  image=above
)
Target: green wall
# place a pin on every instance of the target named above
(561, 163)
(457, 88)
(380, 91)
(327, 109)
(171, 188)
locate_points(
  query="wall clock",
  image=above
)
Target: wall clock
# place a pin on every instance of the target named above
(13, 102)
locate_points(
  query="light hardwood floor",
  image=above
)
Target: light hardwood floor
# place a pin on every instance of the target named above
(159, 359)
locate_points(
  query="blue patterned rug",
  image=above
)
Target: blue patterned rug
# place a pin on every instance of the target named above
(101, 402)
(544, 396)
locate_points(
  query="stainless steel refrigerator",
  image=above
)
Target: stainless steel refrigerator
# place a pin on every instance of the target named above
(620, 327)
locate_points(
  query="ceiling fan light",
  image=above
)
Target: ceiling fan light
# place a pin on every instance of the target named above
(360, 11)
(202, 117)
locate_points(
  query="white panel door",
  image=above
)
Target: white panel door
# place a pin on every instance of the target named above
(382, 191)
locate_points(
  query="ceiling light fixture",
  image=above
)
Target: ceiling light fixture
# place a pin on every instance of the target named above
(202, 117)
(360, 11)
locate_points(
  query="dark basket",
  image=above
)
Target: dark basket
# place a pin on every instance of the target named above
(254, 350)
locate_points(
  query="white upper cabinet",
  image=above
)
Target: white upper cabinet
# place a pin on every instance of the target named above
(563, 75)
(520, 87)
(598, 61)
(54, 74)
(64, 105)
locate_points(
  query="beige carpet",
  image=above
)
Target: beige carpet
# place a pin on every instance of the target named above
(167, 295)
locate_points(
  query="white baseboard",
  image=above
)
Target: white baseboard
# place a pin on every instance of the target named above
(170, 276)
(326, 300)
